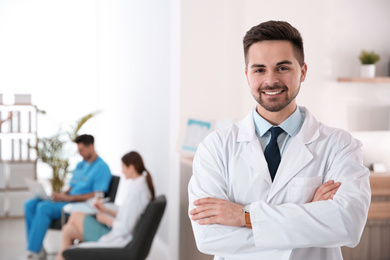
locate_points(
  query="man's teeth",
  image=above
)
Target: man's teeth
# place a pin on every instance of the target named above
(273, 93)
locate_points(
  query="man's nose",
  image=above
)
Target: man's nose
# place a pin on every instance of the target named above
(271, 78)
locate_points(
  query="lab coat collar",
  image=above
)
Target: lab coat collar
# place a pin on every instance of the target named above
(247, 131)
(295, 158)
(310, 128)
(252, 153)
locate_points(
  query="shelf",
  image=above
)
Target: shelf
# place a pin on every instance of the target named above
(16, 135)
(366, 80)
(18, 161)
(13, 189)
(18, 129)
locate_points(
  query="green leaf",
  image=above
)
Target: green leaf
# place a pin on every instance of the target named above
(368, 57)
(54, 151)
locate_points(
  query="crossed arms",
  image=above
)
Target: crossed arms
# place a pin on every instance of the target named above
(332, 218)
(219, 211)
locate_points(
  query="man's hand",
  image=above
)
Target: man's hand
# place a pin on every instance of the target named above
(218, 211)
(60, 196)
(326, 191)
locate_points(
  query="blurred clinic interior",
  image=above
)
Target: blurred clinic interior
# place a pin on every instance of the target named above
(156, 68)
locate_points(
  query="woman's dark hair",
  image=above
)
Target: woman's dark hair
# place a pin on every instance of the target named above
(135, 159)
(275, 30)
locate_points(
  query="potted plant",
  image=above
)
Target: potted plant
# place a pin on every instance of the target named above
(55, 151)
(368, 60)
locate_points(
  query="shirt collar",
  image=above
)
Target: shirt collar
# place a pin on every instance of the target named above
(291, 125)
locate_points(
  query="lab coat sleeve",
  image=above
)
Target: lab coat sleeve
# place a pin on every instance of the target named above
(209, 180)
(330, 223)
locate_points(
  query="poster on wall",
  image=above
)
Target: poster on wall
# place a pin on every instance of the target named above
(196, 131)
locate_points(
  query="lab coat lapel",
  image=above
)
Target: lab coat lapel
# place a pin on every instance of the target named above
(253, 155)
(251, 152)
(297, 155)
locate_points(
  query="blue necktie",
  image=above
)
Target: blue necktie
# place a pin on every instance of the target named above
(272, 153)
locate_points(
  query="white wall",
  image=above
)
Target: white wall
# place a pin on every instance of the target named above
(135, 81)
(334, 33)
(45, 50)
(120, 57)
(211, 59)
(48, 49)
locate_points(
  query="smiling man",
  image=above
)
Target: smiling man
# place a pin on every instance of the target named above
(278, 184)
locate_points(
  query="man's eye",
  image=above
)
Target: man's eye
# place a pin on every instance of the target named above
(259, 70)
(282, 68)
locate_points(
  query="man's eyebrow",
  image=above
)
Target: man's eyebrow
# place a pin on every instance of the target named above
(257, 66)
(277, 64)
(284, 62)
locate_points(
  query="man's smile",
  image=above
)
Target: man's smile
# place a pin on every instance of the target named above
(273, 92)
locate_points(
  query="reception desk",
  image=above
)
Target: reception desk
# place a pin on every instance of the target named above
(375, 241)
(187, 245)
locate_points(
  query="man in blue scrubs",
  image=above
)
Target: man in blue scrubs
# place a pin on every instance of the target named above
(92, 174)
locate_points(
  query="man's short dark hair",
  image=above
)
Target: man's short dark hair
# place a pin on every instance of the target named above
(275, 30)
(84, 139)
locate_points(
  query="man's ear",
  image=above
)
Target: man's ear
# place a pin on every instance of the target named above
(303, 72)
(246, 75)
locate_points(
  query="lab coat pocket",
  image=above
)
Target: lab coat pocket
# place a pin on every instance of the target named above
(301, 190)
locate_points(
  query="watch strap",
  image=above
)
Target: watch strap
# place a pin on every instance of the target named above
(248, 222)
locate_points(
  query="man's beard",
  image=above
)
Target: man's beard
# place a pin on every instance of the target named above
(277, 105)
(88, 157)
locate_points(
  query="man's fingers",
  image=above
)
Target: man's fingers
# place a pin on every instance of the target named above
(206, 204)
(217, 211)
(326, 191)
(199, 209)
(203, 215)
(328, 186)
(208, 221)
(330, 194)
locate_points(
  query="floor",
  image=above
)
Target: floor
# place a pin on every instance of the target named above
(13, 241)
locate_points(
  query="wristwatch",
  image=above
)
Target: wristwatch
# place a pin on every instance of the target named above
(246, 210)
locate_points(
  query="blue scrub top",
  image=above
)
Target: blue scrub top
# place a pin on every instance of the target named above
(90, 177)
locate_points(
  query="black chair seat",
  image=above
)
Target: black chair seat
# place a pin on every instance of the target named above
(56, 224)
(138, 248)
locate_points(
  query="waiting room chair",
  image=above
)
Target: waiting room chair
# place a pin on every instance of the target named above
(138, 248)
(112, 190)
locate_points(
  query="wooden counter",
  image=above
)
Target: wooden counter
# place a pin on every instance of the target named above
(380, 196)
(380, 184)
(374, 243)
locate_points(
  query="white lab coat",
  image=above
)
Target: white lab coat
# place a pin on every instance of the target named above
(137, 198)
(230, 164)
